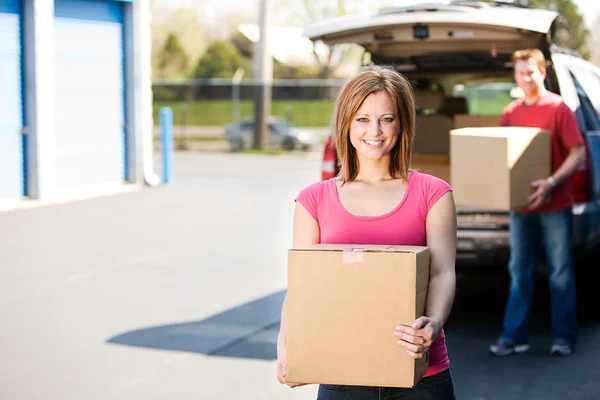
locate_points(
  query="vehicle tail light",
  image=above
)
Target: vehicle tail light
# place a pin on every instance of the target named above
(581, 183)
(329, 160)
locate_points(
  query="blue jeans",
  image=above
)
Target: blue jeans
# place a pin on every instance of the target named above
(526, 230)
(434, 387)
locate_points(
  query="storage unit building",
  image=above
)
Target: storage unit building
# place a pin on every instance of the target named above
(89, 92)
(72, 121)
(12, 172)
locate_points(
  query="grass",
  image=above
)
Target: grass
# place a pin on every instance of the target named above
(316, 113)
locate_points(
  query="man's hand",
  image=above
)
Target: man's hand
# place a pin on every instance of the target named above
(543, 191)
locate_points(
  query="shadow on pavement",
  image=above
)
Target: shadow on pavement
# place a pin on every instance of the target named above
(250, 331)
(247, 331)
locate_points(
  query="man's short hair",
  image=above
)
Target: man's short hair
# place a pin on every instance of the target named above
(526, 54)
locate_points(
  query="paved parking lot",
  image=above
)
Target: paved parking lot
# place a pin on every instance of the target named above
(175, 292)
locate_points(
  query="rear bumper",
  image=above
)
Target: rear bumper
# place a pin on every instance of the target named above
(482, 248)
(586, 226)
(489, 248)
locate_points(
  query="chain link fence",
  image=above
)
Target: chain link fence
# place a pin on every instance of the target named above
(203, 109)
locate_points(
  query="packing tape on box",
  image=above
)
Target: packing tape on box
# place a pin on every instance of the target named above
(352, 256)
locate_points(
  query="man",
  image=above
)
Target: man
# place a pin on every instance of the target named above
(548, 217)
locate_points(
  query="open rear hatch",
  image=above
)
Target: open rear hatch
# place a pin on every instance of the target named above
(461, 37)
(432, 36)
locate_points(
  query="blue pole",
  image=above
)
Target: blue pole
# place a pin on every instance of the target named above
(166, 124)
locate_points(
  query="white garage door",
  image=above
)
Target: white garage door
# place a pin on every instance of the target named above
(11, 101)
(89, 93)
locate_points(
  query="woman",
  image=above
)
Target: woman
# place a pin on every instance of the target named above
(376, 199)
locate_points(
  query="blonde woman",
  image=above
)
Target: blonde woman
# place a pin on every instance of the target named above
(377, 199)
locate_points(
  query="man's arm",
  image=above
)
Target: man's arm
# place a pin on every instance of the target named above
(571, 138)
(574, 160)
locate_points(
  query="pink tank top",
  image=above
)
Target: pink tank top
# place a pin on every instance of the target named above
(404, 225)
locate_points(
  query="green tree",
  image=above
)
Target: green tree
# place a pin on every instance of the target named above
(286, 71)
(301, 13)
(571, 31)
(184, 23)
(172, 58)
(220, 60)
(594, 42)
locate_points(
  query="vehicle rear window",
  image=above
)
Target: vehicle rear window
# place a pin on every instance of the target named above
(487, 98)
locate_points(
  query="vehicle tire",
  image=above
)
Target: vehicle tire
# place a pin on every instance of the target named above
(289, 145)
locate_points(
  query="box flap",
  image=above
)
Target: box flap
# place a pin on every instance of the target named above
(363, 248)
(496, 131)
(528, 149)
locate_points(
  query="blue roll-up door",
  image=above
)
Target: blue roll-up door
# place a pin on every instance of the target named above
(11, 101)
(89, 93)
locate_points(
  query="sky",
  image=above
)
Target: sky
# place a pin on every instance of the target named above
(213, 9)
(590, 10)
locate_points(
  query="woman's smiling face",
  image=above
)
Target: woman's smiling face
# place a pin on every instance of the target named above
(374, 128)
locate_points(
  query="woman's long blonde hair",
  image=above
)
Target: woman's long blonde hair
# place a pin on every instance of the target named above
(367, 81)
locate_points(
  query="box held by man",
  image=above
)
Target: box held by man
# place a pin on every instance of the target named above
(493, 168)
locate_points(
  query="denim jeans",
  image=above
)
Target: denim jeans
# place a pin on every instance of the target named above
(435, 387)
(526, 231)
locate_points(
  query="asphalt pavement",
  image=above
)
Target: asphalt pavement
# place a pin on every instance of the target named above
(175, 292)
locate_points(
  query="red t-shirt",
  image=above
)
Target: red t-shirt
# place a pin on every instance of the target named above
(404, 225)
(551, 113)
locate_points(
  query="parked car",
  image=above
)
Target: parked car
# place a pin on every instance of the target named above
(282, 135)
(447, 48)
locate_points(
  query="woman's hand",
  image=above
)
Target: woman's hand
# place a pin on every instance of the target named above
(418, 338)
(281, 365)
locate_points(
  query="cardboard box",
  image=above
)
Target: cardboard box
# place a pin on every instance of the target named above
(343, 305)
(432, 164)
(493, 168)
(476, 121)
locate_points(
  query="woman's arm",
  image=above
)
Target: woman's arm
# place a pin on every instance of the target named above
(305, 232)
(441, 239)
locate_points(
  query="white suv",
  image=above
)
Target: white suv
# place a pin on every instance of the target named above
(458, 56)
